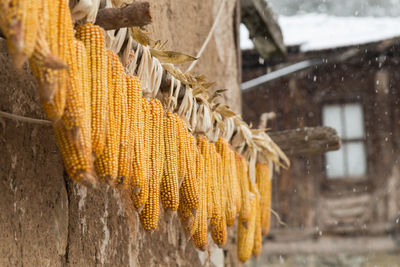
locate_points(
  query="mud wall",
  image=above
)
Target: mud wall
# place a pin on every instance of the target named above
(47, 220)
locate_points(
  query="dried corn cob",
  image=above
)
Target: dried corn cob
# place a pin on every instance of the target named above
(257, 229)
(76, 160)
(204, 148)
(263, 181)
(121, 113)
(189, 191)
(20, 25)
(182, 145)
(246, 234)
(218, 220)
(187, 219)
(235, 178)
(169, 182)
(228, 181)
(200, 235)
(52, 84)
(82, 73)
(59, 35)
(73, 131)
(138, 182)
(189, 194)
(149, 216)
(140, 198)
(242, 171)
(45, 65)
(93, 38)
(107, 163)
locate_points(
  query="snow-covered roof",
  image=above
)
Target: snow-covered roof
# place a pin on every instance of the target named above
(319, 31)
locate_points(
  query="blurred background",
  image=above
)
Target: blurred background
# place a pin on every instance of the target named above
(320, 64)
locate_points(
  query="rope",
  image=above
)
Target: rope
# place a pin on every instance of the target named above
(203, 47)
(23, 119)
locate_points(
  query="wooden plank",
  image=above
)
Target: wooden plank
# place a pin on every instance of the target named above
(307, 141)
(331, 246)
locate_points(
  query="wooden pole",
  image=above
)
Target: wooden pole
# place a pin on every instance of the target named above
(135, 14)
(306, 141)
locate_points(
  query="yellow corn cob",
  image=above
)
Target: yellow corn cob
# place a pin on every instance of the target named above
(44, 64)
(189, 194)
(228, 181)
(93, 38)
(242, 171)
(84, 80)
(182, 145)
(169, 182)
(138, 182)
(121, 112)
(236, 183)
(73, 132)
(59, 33)
(263, 181)
(20, 25)
(149, 216)
(52, 84)
(246, 234)
(218, 220)
(200, 235)
(257, 229)
(107, 163)
(140, 198)
(204, 148)
(189, 191)
(76, 160)
(187, 219)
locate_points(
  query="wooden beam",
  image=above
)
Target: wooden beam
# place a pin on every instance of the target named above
(135, 14)
(326, 245)
(307, 141)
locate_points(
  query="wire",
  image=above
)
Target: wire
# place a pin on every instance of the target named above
(23, 119)
(208, 36)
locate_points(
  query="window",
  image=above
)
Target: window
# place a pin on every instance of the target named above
(350, 160)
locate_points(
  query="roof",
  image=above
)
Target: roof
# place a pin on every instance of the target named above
(312, 32)
(264, 29)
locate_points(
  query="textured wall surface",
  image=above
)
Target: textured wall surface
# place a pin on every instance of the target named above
(45, 219)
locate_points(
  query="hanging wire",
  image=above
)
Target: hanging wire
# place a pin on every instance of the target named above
(208, 38)
(23, 119)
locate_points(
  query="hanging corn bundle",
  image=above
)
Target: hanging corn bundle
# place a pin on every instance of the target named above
(99, 114)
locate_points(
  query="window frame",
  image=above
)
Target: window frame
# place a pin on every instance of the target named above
(347, 178)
